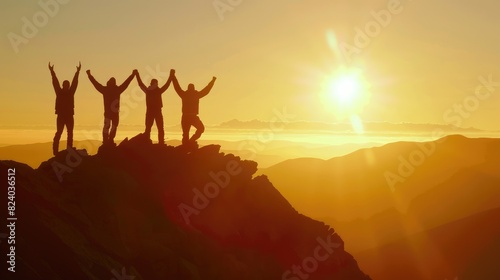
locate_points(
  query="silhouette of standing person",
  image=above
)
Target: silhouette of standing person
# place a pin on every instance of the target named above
(111, 95)
(190, 108)
(154, 105)
(65, 107)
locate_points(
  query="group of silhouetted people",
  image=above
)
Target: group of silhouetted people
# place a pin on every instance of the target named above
(111, 94)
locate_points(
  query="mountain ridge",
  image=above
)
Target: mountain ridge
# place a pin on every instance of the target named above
(454, 180)
(121, 210)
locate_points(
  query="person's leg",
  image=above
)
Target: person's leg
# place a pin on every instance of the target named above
(57, 136)
(114, 126)
(159, 125)
(186, 125)
(200, 128)
(149, 124)
(70, 123)
(105, 130)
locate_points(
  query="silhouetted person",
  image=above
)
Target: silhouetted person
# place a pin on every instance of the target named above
(190, 108)
(111, 95)
(65, 105)
(154, 105)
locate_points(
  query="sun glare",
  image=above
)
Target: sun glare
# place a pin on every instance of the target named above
(346, 92)
(344, 89)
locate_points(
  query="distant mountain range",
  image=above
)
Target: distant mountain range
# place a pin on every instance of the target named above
(373, 127)
(384, 197)
(278, 125)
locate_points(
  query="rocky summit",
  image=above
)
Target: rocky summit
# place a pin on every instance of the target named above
(149, 211)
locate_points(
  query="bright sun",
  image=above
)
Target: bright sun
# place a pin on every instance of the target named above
(347, 91)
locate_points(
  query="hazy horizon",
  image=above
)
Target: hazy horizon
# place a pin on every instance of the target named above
(325, 138)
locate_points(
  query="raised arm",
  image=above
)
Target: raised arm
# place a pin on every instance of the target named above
(74, 83)
(100, 88)
(167, 84)
(207, 89)
(177, 87)
(125, 84)
(55, 81)
(139, 81)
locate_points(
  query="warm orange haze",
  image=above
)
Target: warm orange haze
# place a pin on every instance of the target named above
(233, 139)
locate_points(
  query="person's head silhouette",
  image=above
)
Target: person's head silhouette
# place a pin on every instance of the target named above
(65, 85)
(154, 83)
(112, 82)
(191, 87)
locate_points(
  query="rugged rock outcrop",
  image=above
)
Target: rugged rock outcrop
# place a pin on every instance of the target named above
(144, 211)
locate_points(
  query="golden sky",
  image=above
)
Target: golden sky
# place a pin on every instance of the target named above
(267, 55)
